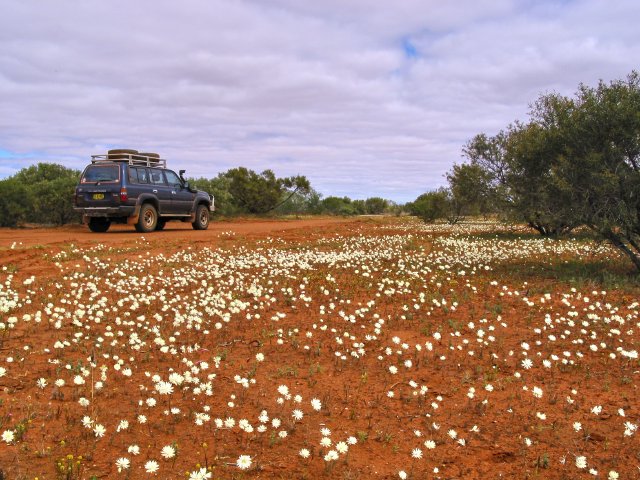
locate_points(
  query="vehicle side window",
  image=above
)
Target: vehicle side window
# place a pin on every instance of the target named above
(143, 176)
(156, 177)
(133, 175)
(172, 178)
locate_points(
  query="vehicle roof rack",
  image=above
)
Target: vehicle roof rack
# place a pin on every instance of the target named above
(131, 158)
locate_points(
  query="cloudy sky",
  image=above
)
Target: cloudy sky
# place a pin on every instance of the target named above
(364, 97)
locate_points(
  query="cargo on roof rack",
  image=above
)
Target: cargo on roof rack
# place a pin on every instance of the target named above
(138, 159)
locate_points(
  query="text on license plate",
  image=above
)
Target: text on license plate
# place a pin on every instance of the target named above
(98, 196)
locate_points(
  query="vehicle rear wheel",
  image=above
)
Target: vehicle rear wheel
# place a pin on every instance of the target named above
(99, 225)
(148, 219)
(202, 218)
(160, 225)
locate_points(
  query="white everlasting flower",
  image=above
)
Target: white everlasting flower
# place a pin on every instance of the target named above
(403, 475)
(260, 357)
(596, 410)
(316, 404)
(416, 453)
(201, 474)
(297, 414)
(430, 444)
(342, 447)
(613, 475)
(581, 462)
(304, 453)
(99, 430)
(122, 463)
(41, 383)
(151, 466)
(330, 456)
(168, 451)
(452, 433)
(577, 426)
(164, 388)
(8, 436)
(133, 449)
(243, 462)
(527, 363)
(629, 429)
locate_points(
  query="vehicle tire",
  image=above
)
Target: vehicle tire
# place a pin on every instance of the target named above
(202, 218)
(120, 153)
(99, 224)
(160, 225)
(148, 219)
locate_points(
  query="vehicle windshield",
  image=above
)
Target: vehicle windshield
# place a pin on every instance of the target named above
(101, 173)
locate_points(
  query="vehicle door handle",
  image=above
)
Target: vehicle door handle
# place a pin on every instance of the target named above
(154, 191)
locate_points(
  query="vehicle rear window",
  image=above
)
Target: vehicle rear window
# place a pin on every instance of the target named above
(101, 173)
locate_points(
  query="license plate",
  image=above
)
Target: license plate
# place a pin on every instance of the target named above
(98, 196)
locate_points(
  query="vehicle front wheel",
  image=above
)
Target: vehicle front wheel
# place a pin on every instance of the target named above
(99, 225)
(202, 218)
(148, 219)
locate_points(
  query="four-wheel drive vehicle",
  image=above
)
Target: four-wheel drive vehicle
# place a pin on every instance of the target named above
(125, 186)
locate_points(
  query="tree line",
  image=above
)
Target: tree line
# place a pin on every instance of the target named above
(43, 194)
(574, 163)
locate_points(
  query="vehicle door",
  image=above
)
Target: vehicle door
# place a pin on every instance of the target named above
(138, 183)
(182, 199)
(161, 190)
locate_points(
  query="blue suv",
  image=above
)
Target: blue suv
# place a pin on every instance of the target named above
(138, 189)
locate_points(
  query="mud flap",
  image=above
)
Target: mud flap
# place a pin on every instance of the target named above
(133, 219)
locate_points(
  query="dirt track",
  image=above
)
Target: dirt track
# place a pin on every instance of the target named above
(80, 234)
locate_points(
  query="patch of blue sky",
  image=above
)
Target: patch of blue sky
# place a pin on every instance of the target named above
(410, 50)
(5, 154)
(10, 155)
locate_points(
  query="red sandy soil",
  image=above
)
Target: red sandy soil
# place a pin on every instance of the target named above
(117, 234)
(353, 392)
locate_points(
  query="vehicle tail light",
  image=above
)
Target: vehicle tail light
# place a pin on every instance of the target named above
(124, 196)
